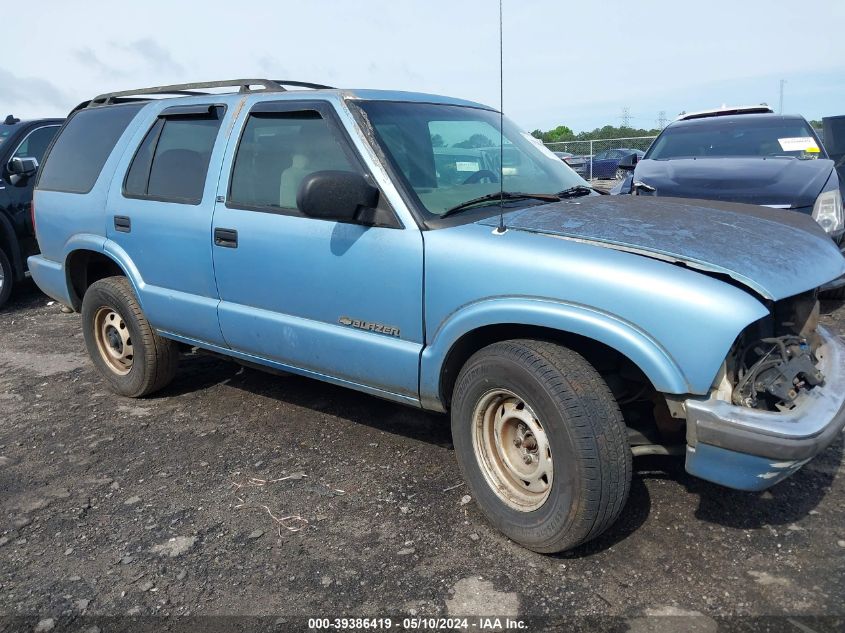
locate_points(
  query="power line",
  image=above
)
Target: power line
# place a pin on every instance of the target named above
(780, 103)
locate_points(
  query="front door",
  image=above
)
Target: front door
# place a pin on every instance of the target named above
(18, 190)
(160, 216)
(334, 300)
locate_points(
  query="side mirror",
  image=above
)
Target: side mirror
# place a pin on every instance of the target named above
(335, 195)
(629, 162)
(23, 166)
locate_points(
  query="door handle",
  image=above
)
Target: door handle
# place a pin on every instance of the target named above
(227, 238)
(122, 223)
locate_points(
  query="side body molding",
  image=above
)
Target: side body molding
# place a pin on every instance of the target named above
(614, 332)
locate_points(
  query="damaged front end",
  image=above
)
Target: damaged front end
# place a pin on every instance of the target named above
(774, 360)
(779, 400)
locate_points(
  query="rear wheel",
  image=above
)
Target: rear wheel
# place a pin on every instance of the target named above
(541, 442)
(7, 278)
(125, 349)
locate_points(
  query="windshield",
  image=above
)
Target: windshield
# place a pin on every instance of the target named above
(451, 154)
(737, 137)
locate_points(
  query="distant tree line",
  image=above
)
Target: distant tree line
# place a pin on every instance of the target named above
(563, 133)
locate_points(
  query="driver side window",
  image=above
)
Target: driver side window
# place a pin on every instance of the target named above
(276, 152)
(36, 142)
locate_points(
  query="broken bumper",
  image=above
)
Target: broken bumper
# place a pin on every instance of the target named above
(750, 449)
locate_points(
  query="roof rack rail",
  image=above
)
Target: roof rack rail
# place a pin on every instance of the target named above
(193, 89)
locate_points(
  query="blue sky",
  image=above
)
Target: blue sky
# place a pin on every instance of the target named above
(576, 63)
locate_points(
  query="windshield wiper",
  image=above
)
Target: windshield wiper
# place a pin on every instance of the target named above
(504, 195)
(576, 192)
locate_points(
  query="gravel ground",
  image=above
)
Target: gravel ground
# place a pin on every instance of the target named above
(169, 505)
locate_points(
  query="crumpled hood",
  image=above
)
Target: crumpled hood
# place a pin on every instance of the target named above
(774, 252)
(781, 181)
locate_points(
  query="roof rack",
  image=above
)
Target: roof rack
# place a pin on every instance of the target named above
(192, 89)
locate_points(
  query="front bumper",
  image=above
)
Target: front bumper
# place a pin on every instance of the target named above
(751, 449)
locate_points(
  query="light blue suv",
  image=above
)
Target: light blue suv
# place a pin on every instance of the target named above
(316, 231)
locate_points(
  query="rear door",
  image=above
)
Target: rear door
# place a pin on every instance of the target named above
(159, 212)
(337, 300)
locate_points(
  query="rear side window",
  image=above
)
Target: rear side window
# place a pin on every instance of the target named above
(81, 150)
(277, 150)
(171, 163)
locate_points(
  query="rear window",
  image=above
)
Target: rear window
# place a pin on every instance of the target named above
(172, 161)
(81, 150)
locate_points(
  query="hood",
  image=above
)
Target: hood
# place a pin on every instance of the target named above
(775, 253)
(781, 181)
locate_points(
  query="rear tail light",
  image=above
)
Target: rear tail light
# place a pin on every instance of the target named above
(32, 217)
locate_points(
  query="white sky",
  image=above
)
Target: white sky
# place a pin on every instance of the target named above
(571, 62)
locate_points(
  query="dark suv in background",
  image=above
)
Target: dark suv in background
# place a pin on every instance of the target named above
(22, 146)
(748, 155)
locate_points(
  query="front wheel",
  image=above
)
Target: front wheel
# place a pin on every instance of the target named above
(123, 346)
(541, 443)
(7, 278)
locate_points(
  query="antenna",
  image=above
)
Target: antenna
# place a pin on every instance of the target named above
(501, 228)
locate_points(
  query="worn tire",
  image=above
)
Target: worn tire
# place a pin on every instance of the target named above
(155, 358)
(585, 432)
(8, 276)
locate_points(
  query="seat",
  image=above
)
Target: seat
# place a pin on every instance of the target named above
(178, 173)
(315, 150)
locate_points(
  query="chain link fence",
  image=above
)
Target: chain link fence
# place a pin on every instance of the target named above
(599, 159)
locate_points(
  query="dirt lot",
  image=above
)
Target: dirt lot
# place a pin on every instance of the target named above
(113, 506)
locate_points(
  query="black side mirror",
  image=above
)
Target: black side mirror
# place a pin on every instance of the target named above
(335, 195)
(20, 168)
(629, 162)
(23, 166)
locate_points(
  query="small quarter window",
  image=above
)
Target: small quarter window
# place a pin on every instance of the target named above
(277, 151)
(171, 163)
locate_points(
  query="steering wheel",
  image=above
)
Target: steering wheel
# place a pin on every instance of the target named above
(481, 174)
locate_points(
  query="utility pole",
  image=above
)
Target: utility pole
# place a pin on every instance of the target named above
(626, 117)
(661, 119)
(780, 103)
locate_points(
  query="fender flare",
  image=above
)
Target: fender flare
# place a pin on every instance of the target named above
(625, 337)
(104, 246)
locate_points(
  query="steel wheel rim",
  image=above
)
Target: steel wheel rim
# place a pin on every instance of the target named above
(620, 174)
(2, 276)
(113, 340)
(512, 450)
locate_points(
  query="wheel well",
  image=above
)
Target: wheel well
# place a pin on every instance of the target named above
(84, 268)
(620, 372)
